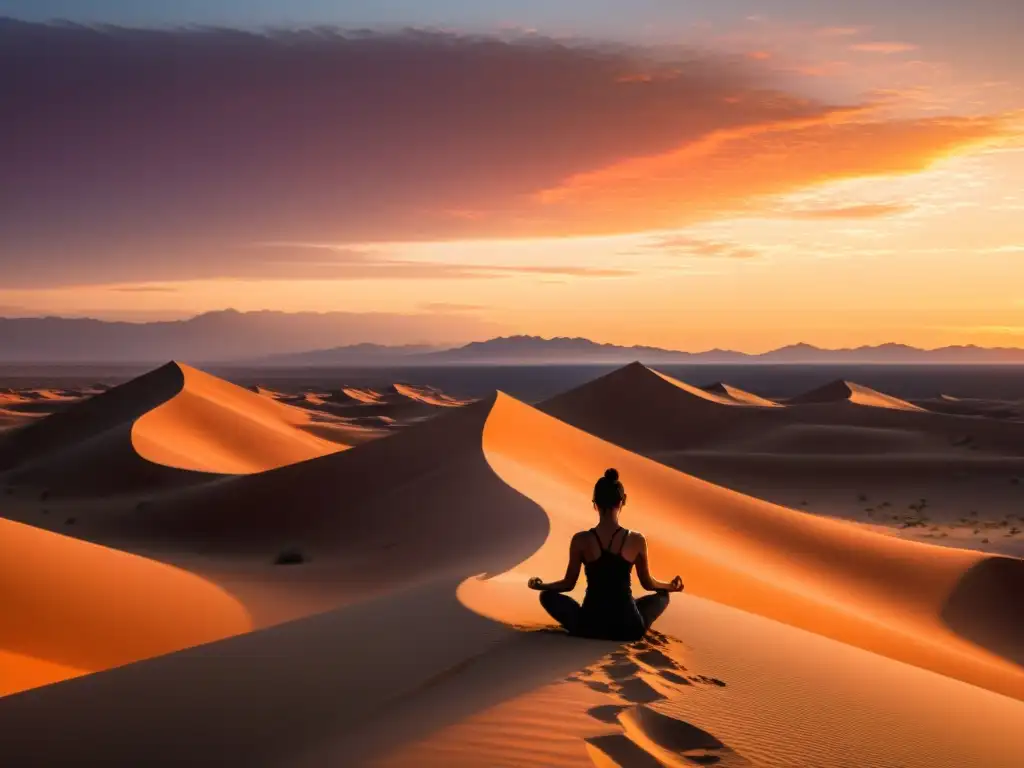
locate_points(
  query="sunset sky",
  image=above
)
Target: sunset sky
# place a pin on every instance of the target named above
(733, 174)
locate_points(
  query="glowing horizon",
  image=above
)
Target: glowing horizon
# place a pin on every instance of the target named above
(760, 181)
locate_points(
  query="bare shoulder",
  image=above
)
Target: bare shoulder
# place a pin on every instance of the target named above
(635, 542)
(579, 537)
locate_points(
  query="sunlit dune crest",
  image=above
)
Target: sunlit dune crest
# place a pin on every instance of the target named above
(691, 390)
(266, 392)
(214, 426)
(428, 395)
(846, 391)
(739, 395)
(362, 395)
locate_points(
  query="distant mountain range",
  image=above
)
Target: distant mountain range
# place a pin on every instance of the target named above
(221, 336)
(305, 340)
(534, 350)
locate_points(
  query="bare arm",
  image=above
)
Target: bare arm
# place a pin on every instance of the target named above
(572, 571)
(647, 581)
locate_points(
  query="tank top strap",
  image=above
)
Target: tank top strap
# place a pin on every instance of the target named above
(611, 541)
(622, 541)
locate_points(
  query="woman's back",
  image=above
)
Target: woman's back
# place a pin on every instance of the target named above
(608, 574)
(608, 607)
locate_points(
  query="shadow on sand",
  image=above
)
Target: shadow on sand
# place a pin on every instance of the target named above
(987, 607)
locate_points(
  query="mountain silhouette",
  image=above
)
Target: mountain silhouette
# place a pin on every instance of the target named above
(332, 339)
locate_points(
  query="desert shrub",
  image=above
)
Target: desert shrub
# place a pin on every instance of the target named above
(290, 557)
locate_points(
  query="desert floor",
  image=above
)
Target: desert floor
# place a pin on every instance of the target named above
(199, 573)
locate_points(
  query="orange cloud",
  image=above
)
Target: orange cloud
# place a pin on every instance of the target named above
(684, 245)
(729, 171)
(339, 262)
(850, 212)
(883, 47)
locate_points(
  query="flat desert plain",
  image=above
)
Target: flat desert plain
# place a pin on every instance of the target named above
(197, 573)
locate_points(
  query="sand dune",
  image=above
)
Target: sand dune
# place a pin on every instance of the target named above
(829, 577)
(378, 408)
(143, 433)
(87, 447)
(367, 396)
(35, 402)
(800, 640)
(738, 395)
(970, 406)
(71, 608)
(502, 498)
(841, 439)
(266, 392)
(648, 412)
(644, 410)
(42, 394)
(847, 391)
(11, 419)
(349, 500)
(428, 395)
(213, 426)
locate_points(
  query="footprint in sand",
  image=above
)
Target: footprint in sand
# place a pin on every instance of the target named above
(642, 672)
(650, 738)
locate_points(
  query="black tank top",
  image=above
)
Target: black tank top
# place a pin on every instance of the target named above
(608, 576)
(609, 611)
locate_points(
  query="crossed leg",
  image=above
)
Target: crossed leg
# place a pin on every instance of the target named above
(651, 607)
(562, 609)
(567, 611)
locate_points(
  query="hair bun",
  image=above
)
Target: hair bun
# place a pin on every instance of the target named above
(611, 475)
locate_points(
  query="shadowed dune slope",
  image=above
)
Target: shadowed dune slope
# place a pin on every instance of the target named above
(644, 410)
(390, 498)
(847, 391)
(89, 419)
(71, 607)
(841, 439)
(883, 594)
(652, 414)
(968, 406)
(87, 448)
